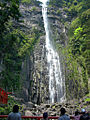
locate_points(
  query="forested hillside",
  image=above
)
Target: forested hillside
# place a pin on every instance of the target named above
(16, 44)
(77, 50)
(23, 62)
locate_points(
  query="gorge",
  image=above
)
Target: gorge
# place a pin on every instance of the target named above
(44, 55)
(39, 80)
(36, 83)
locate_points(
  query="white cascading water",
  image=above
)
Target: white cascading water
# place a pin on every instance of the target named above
(56, 84)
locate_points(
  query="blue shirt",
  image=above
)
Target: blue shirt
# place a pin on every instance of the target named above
(64, 117)
(14, 116)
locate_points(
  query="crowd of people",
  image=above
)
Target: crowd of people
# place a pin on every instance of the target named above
(83, 115)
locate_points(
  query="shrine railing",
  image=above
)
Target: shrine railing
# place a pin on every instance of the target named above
(4, 117)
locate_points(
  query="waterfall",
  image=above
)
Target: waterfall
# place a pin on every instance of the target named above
(56, 83)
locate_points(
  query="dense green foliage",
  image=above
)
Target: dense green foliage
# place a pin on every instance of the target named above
(79, 33)
(8, 10)
(31, 2)
(14, 44)
(76, 51)
(5, 109)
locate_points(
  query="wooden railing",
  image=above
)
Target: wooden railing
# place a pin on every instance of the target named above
(3, 117)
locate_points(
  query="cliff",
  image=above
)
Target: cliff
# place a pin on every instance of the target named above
(34, 74)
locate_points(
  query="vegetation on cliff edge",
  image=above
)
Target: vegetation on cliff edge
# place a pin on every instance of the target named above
(14, 44)
(76, 51)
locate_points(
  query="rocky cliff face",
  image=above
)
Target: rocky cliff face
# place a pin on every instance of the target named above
(34, 69)
(34, 75)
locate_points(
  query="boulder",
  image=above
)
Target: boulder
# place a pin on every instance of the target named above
(28, 113)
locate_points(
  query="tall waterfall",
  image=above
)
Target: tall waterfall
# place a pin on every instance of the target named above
(56, 83)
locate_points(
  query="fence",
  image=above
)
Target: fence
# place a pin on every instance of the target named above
(4, 117)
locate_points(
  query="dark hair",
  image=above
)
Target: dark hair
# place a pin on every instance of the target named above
(62, 111)
(45, 115)
(15, 108)
(76, 112)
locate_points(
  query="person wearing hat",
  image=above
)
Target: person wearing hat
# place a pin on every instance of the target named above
(84, 116)
(63, 115)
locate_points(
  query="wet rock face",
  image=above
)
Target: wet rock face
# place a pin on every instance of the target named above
(56, 21)
(40, 74)
(34, 70)
(34, 67)
(31, 16)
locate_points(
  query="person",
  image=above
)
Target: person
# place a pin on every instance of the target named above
(77, 115)
(63, 115)
(45, 116)
(84, 116)
(15, 115)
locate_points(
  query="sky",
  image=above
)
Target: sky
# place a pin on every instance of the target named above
(43, 1)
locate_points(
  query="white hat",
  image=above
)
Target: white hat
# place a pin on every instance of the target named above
(83, 110)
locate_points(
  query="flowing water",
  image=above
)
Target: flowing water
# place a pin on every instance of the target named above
(56, 83)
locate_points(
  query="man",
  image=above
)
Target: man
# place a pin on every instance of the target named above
(63, 115)
(84, 116)
(15, 115)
